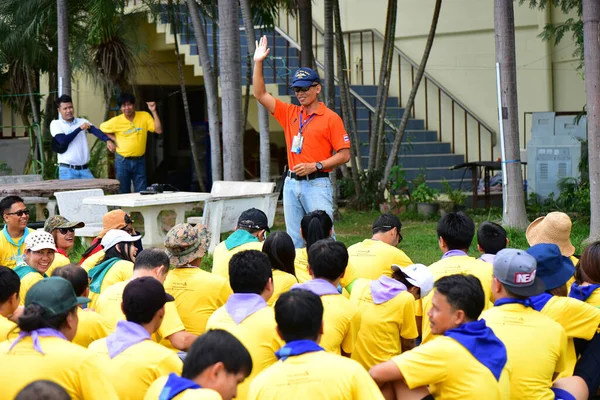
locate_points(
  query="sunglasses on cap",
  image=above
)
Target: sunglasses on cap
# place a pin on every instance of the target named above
(64, 231)
(303, 89)
(397, 230)
(19, 213)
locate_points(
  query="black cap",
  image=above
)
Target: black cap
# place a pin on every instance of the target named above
(144, 295)
(254, 219)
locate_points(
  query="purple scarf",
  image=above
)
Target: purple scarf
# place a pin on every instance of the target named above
(126, 335)
(454, 253)
(385, 289)
(240, 306)
(488, 258)
(320, 287)
(35, 337)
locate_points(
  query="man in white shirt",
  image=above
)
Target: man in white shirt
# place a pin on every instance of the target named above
(70, 144)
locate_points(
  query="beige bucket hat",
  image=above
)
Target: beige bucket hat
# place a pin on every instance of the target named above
(554, 228)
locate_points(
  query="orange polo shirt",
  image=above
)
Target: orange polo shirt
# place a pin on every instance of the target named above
(324, 133)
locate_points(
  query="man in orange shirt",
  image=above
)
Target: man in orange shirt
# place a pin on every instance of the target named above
(312, 134)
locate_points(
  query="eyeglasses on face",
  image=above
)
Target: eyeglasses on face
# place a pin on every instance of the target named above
(19, 213)
(64, 231)
(303, 89)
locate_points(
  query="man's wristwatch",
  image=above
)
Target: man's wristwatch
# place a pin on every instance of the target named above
(319, 166)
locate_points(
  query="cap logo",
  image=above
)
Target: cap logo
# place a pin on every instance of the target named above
(524, 277)
(300, 74)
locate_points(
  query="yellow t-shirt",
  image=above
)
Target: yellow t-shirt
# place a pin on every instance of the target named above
(92, 260)
(8, 329)
(257, 333)
(457, 265)
(121, 271)
(381, 325)
(222, 256)
(594, 299)
(451, 372)
(157, 386)
(373, 258)
(11, 256)
(92, 326)
(316, 375)
(282, 282)
(301, 266)
(578, 319)
(133, 371)
(26, 283)
(536, 347)
(59, 261)
(71, 366)
(131, 135)
(341, 322)
(197, 295)
(109, 306)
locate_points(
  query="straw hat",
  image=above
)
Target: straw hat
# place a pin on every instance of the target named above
(553, 228)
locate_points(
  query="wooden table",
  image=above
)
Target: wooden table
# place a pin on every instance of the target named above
(150, 206)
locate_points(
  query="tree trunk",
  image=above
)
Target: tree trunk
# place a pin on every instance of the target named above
(378, 124)
(38, 151)
(64, 66)
(215, 40)
(591, 51)
(231, 90)
(306, 28)
(186, 106)
(391, 161)
(347, 114)
(514, 214)
(263, 113)
(212, 94)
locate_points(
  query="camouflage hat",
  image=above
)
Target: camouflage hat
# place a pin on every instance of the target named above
(184, 243)
(58, 221)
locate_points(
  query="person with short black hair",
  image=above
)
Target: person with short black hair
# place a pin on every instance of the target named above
(246, 313)
(134, 359)
(455, 233)
(44, 350)
(129, 131)
(279, 246)
(250, 233)
(491, 238)
(152, 263)
(373, 257)
(327, 260)
(92, 326)
(43, 390)
(12, 240)
(10, 284)
(467, 362)
(304, 369)
(215, 365)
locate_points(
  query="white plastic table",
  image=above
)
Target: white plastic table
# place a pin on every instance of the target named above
(150, 207)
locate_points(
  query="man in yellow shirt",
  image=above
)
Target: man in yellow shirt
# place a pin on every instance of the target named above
(536, 345)
(304, 369)
(215, 365)
(92, 326)
(154, 263)
(39, 255)
(491, 238)
(9, 302)
(134, 360)
(246, 314)
(197, 293)
(129, 131)
(327, 261)
(455, 233)
(251, 232)
(467, 362)
(12, 240)
(372, 257)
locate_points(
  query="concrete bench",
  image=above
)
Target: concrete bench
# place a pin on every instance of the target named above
(70, 204)
(42, 204)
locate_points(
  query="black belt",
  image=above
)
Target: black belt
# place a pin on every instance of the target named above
(131, 158)
(75, 167)
(308, 177)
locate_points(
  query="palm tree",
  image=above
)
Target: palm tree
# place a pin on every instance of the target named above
(64, 65)
(306, 42)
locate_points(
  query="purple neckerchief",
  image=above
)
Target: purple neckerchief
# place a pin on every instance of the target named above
(454, 253)
(126, 335)
(240, 306)
(320, 287)
(582, 292)
(488, 258)
(385, 289)
(35, 337)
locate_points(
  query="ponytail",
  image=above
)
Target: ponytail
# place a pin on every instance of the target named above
(315, 226)
(33, 318)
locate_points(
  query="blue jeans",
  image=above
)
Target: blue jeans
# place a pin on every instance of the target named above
(301, 197)
(70, 173)
(128, 170)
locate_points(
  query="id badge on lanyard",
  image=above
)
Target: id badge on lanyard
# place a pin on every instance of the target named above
(298, 140)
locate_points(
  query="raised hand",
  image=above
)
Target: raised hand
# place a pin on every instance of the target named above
(262, 51)
(151, 106)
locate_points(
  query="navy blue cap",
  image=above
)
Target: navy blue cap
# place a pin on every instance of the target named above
(552, 267)
(304, 77)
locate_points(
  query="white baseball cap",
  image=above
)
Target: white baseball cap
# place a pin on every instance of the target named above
(418, 275)
(38, 240)
(115, 236)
